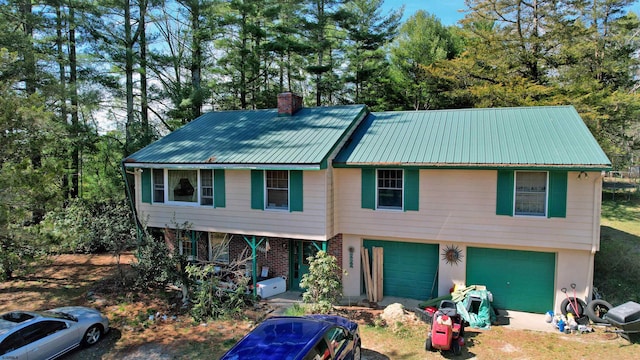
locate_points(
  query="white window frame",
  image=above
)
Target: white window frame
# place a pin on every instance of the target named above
(268, 206)
(393, 208)
(155, 187)
(196, 187)
(201, 195)
(516, 191)
(199, 186)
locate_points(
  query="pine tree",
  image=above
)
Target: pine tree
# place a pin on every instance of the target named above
(323, 36)
(368, 31)
(422, 41)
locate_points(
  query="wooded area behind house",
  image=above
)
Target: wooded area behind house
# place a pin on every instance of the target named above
(85, 83)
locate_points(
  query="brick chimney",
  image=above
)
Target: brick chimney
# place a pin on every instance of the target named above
(288, 103)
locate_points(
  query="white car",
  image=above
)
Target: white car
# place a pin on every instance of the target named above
(36, 335)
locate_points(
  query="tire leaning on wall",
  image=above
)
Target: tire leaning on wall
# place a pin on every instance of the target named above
(567, 307)
(596, 309)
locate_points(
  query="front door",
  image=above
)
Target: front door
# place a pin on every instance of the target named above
(300, 253)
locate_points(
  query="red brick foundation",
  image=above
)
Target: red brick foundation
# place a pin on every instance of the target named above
(277, 258)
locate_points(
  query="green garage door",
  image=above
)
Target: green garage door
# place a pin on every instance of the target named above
(518, 280)
(409, 268)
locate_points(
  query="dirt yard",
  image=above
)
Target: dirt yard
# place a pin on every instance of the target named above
(146, 326)
(91, 280)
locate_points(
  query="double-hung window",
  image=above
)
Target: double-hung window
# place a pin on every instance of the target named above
(206, 187)
(277, 189)
(158, 185)
(531, 193)
(390, 189)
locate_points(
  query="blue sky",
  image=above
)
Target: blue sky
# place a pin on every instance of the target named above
(448, 11)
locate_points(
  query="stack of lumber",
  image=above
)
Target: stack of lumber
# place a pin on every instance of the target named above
(373, 273)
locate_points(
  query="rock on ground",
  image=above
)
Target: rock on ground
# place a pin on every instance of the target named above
(393, 313)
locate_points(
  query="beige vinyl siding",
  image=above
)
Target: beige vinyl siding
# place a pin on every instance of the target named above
(238, 217)
(459, 206)
(330, 201)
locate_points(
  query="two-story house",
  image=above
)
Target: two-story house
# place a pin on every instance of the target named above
(508, 198)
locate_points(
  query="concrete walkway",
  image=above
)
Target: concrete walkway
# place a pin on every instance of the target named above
(506, 318)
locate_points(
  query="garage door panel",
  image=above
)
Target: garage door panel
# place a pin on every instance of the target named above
(518, 280)
(409, 268)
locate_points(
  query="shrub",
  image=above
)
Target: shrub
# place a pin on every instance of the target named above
(156, 267)
(90, 226)
(323, 282)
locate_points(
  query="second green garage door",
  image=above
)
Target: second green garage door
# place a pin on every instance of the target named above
(409, 268)
(518, 280)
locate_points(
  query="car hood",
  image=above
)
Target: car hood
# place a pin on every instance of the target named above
(79, 312)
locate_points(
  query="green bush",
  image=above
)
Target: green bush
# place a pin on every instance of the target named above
(156, 267)
(323, 283)
(90, 226)
(18, 254)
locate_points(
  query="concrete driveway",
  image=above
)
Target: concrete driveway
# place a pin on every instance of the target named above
(506, 318)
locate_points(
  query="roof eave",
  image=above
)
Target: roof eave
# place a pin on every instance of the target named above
(487, 166)
(133, 164)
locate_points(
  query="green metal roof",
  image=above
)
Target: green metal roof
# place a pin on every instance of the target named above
(524, 137)
(253, 138)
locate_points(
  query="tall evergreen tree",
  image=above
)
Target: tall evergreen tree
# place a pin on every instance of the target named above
(242, 46)
(422, 41)
(320, 26)
(368, 32)
(200, 32)
(287, 46)
(170, 68)
(117, 33)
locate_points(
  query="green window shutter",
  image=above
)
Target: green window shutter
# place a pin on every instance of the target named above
(504, 197)
(368, 188)
(145, 182)
(411, 189)
(219, 198)
(257, 189)
(557, 194)
(295, 190)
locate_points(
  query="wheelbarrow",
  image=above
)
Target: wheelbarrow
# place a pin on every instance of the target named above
(626, 319)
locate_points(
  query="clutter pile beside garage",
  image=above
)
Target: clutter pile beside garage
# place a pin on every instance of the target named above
(474, 305)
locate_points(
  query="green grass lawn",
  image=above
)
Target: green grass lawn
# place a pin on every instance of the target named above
(617, 264)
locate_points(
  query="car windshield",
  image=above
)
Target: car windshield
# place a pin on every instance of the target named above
(59, 315)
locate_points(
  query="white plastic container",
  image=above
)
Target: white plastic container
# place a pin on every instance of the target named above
(270, 287)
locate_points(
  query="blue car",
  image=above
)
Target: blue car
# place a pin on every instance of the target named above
(311, 337)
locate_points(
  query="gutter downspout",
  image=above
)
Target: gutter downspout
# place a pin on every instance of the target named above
(139, 229)
(597, 207)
